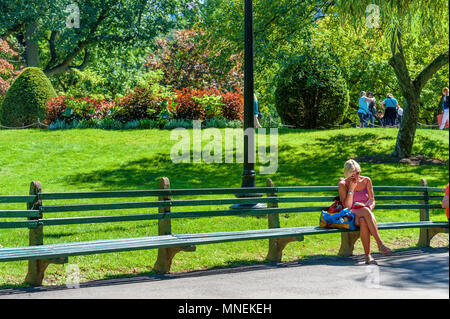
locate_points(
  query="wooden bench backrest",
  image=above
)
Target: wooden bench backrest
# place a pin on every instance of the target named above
(273, 196)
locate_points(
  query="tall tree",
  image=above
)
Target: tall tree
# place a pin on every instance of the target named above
(58, 35)
(278, 28)
(405, 23)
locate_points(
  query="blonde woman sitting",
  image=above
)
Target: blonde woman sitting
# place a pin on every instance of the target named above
(356, 193)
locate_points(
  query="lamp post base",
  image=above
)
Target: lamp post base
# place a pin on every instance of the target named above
(248, 181)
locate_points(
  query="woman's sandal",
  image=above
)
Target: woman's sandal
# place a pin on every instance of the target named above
(370, 260)
(385, 250)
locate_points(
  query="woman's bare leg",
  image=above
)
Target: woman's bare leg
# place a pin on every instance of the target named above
(364, 235)
(370, 221)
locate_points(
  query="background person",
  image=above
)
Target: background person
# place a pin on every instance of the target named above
(372, 110)
(399, 116)
(363, 111)
(256, 111)
(444, 103)
(445, 202)
(390, 105)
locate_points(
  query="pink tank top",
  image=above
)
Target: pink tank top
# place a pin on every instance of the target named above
(361, 197)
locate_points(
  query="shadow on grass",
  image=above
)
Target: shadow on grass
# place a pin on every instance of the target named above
(397, 260)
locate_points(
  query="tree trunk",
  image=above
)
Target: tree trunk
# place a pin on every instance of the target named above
(407, 132)
(411, 104)
(32, 47)
(411, 91)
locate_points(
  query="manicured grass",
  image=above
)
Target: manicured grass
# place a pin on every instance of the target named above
(94, 160)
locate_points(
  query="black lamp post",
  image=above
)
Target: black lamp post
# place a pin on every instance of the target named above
(248, 174)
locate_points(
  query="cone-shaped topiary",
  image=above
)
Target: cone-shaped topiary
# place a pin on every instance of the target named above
(311, 91)
(26, 99)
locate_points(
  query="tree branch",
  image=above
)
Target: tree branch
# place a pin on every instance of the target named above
(65, 65)
(83, 65)
(430, 70)
(51, 43)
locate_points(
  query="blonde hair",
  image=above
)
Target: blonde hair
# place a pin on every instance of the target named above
(350, 166)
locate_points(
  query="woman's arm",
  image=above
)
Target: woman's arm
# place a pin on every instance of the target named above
(445, 202)
(370, 193)
(346, 194)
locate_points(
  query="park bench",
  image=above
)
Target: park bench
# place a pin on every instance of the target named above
(37, 215)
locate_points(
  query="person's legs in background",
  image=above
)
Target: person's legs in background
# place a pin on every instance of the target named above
(362, 119)
(371, 118)
(444, 119)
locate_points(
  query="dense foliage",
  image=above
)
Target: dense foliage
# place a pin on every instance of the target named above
(311, 92)
(9, 67)
(146, 103)
(186, 59)
(26, 100)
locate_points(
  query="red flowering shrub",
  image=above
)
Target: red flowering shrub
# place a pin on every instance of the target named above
(234, 106)
(8, 71)
(188, 105)
(142, 103)
(67, 109)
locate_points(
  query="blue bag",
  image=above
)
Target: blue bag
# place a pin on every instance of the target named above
(343, 219)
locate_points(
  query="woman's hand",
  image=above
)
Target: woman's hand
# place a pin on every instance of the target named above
(352, 184)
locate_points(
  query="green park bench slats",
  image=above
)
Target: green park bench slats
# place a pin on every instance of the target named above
(272, 196)
(176, 240)
(19, 213)
(213, 213)
(174, 215)
(17, 198)
(19, 224)
(203, 202)
(135, 205)
(221, 191)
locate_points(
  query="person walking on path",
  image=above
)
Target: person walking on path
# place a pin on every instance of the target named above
(390, 105)
(363, 111)
(256, 111)
(444, 103)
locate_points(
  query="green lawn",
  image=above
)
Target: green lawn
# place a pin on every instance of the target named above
(94, 160)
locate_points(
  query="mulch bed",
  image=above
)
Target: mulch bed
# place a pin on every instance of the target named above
(414, 160)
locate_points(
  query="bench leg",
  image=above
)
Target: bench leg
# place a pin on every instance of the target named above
(427, 234)
(277, 245)
(36, 272)
(348, 240)
(165, 256)
(37, 268)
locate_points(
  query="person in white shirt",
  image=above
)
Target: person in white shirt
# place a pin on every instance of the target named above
(399, 115)
(445, 104)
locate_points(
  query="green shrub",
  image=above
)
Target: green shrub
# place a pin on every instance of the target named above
(109, 123)
(311, 91)
(176, 123)
(131, 125)
(148, 124)
(27, 98)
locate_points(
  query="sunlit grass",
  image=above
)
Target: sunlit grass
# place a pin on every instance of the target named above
(94, 160)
